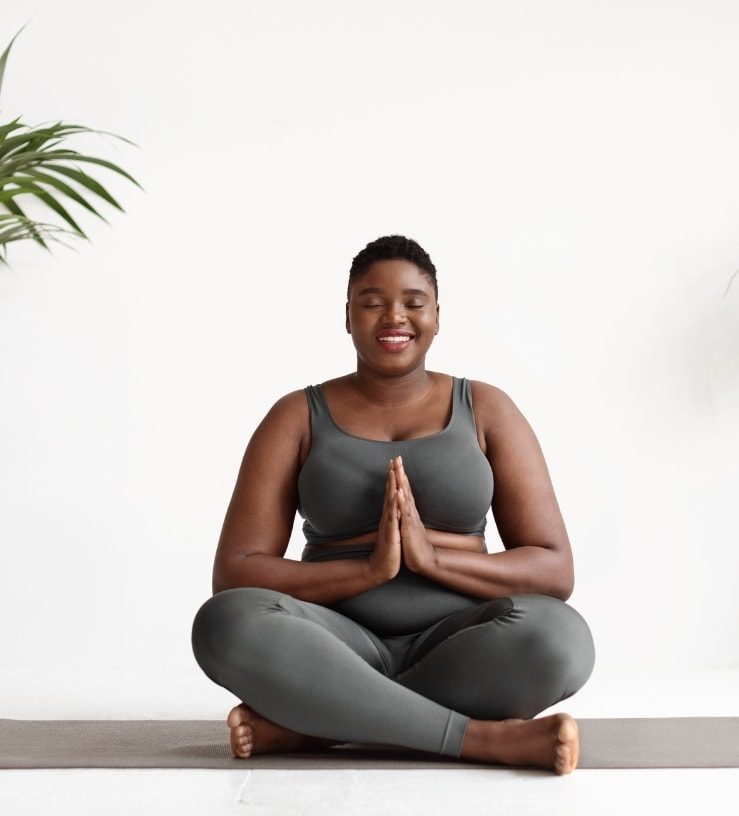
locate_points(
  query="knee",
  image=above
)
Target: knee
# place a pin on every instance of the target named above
(557, 639)
(227, 624)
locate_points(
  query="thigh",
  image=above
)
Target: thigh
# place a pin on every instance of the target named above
(226, 621)
(509, 657)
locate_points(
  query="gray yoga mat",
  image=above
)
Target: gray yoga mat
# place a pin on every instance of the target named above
(642, 742)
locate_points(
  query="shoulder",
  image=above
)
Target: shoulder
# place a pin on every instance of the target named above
(284, 431)
(288, 414)
(294, 403)
(488, 396)
(495, 411)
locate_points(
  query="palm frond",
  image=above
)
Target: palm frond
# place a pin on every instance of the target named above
(32, 165)
(19, 228)
(16, 210)
(4, 57)
(9, 166)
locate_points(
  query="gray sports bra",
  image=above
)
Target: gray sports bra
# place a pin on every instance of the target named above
(341, 486)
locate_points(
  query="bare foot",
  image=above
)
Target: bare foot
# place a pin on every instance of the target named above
(548, 742)
(253, 734)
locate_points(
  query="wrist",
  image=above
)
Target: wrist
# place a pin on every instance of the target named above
(422, 565)
(376, 575)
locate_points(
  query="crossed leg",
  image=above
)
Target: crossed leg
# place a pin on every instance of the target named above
(314, 677)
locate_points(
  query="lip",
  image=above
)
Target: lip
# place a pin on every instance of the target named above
(394, 347)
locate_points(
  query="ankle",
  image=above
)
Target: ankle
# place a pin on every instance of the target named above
(477, 738)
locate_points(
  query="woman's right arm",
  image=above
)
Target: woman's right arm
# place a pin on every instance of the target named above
(259, 520)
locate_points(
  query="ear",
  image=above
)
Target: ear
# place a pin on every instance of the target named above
(438, 309)
(348, 330)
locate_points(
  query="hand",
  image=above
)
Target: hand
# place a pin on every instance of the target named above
(417, 551)
(386, 557)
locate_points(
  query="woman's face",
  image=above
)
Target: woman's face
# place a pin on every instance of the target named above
(392, 295)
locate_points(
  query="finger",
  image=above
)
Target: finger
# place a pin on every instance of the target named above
(389, 512)
(403, 475)
(406, 506)
(402, 499)
(392, 486)
(395, 512)
(389, 486)
(390, 508)
(407, 486)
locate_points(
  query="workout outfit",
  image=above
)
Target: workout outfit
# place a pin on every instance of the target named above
(409, 662)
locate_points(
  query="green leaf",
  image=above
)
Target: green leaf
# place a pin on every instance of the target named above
(36, 137)
(85, 129)
(9, 234)
(84, 179)
(48, 229)
(36, 157)
(14, 208)
(7, 194)
(110, 166)
(9, 128)
(32, 140)
(26, 224)
(4, 57)
(64, 188)
(48, 199)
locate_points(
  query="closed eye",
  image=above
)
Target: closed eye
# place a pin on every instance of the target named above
(378, 305)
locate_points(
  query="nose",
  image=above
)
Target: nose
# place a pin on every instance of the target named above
(394, 314)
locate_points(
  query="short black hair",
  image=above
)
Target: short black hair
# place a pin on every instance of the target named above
(392, 247)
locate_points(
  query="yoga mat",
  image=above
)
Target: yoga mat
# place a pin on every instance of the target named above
(642, 742)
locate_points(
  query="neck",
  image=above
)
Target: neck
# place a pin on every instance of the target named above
(387, 391)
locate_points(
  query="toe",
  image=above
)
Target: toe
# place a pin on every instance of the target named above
(236, 716)
(562, 757)
(575, 754)
(241, 745)
(567, 729)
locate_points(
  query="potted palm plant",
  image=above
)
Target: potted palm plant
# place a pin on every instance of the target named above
(30, 167)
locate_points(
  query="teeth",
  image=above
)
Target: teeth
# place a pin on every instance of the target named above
(393, 339)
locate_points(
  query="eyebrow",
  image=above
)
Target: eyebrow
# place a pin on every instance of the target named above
(376, 290)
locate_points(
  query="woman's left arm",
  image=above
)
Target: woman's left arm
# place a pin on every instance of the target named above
(537, 556)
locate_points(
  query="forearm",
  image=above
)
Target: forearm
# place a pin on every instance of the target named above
(455, 541)
(527, 569)
(437, 538)
(320, 582)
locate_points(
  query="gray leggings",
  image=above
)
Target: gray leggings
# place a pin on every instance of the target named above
(407, 663)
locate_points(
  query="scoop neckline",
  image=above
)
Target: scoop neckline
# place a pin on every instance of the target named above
(449, 424)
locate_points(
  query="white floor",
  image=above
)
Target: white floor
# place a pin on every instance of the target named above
(283, 793)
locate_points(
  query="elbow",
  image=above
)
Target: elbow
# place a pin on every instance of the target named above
(233, 573)
(217, 584)
(224, 577)
(560, 574)
(566, 591)
(567, 582)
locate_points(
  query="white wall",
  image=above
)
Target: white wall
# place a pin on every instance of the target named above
(572, 170)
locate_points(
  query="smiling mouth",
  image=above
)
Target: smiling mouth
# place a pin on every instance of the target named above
(394, 343)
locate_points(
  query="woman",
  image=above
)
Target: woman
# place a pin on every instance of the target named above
(397, 626)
